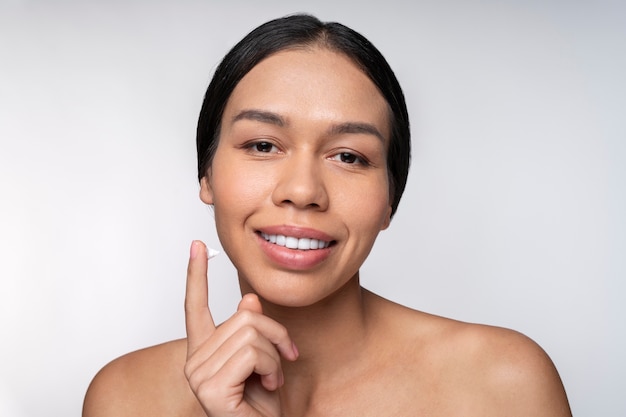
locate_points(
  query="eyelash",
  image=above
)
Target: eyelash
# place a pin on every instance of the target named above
(358, 159)
(254, 146)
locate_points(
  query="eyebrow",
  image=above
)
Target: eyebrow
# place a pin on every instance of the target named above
(356, 128)
(260, 116)
(337, 129)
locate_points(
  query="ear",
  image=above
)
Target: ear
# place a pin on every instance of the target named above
(206, 191)
(387, 220)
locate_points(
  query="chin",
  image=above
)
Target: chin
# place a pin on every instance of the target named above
(287, 297)
(298, 291)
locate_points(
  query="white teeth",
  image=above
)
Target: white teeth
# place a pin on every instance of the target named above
(291, 242)
(304, 243)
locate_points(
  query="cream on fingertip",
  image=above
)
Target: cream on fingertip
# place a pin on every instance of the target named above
(212, 253)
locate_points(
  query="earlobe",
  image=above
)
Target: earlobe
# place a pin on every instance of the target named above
(387, 220)
(206, 192)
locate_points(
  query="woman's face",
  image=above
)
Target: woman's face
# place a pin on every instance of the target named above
(299, 178)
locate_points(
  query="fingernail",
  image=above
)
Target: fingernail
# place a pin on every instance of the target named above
(295, 350)
(195, 248)
(213, 253)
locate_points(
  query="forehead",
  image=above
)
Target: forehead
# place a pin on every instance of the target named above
(313, 84)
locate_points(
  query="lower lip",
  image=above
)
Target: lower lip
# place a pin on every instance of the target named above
(293, 259)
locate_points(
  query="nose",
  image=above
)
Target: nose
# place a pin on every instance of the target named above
(301, 184)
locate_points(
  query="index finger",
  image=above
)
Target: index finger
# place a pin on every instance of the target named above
(198, 320)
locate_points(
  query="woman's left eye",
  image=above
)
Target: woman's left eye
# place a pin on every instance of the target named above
(264, 147)
(349, 158)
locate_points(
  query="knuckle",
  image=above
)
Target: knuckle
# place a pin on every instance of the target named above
(197, 374)
(249, 333)
(245, 316)
(282, 332)
(196, 379)
(249, 353)
(190, 308)
(189, 370)
(206, 390)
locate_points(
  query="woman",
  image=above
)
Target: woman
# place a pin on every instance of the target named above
(303, 152)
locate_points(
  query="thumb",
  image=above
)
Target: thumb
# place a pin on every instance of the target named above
(250, 302)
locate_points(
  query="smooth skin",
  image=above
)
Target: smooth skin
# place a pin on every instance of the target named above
(302, 152)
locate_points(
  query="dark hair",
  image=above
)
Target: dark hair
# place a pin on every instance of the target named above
(300, 31)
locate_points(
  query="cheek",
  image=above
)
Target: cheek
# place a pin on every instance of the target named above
(236, 188)
(365, 206)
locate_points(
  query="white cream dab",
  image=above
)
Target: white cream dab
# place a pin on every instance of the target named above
(212, 253)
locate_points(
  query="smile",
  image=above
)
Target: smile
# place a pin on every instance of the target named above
(291, 242)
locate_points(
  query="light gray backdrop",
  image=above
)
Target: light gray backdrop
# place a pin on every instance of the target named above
(513, 214)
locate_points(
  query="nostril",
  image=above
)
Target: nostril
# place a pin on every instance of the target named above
(300, 190)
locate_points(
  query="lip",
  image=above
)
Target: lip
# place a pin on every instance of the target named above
(294, 259)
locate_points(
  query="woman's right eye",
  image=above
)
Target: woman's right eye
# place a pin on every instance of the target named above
(261, 146)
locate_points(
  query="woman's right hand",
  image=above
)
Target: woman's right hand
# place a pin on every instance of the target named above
(234, 369)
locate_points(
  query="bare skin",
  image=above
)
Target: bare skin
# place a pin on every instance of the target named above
(303, 134)
(400, 362)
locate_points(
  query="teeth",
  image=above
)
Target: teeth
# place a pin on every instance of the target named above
(291, 242)
(304, 243)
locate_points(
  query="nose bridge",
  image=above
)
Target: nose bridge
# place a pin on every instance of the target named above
(301, 182)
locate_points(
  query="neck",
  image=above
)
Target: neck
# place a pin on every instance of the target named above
(328, 334)
(333, 339)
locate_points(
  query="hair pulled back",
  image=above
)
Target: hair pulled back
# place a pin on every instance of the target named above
(297, 31)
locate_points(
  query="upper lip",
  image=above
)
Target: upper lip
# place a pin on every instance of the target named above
(297, 232)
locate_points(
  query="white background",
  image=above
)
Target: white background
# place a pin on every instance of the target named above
(513, 214)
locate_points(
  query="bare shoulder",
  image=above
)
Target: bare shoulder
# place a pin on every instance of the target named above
(516, 372)
(147, 382)
(487, 370)
(510, 372)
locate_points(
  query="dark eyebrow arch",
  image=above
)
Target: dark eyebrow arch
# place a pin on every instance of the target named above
(338, 129)
(260, 116)
(356, 128)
